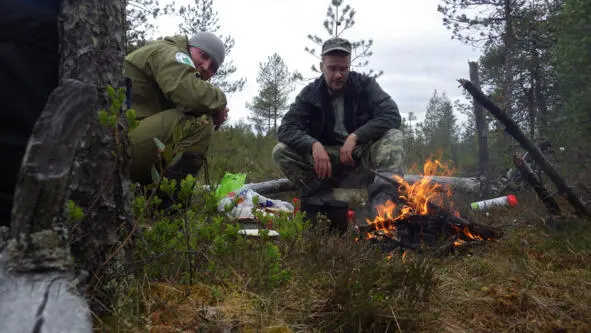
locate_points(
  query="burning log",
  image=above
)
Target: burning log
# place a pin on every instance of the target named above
(413, 217)
(513, 129)
(468, 185)
(443, 214)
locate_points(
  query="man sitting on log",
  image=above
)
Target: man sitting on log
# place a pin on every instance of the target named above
(169, 93)
(339, 127)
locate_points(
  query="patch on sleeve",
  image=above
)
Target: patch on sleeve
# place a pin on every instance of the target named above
(183, 58)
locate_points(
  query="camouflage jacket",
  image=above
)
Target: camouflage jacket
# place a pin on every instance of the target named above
(369, 112)
(164, 77)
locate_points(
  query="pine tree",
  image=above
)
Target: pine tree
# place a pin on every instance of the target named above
(572, 58)
(439, 127)
(337, 21)
(276, 82)
(201, 17)
(494, 30)
(139, 21)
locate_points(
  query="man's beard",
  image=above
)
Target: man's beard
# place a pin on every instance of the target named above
(335, 92)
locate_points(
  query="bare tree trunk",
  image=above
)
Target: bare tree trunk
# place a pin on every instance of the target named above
(508, 40)
(540, 99)
(531, 108)
(92, 46)
(482, 133)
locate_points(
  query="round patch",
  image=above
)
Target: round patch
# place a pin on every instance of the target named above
(184, 59)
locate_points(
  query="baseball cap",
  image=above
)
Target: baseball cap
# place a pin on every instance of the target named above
(336, 44)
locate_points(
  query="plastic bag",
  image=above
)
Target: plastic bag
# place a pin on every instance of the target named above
(244, 201)
(229, 183)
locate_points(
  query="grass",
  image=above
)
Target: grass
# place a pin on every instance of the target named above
(534, 279)
(199, 276)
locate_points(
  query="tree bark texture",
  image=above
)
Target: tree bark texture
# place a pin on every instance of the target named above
(92, 46)
(36, 266)
(513, 129)
(481, 133)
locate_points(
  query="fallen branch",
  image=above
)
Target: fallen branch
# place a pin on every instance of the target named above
(513, 129)
(470, 185)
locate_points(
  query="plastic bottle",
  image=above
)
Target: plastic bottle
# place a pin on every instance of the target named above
(509, 200)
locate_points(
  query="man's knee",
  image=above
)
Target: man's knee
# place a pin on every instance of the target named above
(193, 134)
(278, 153)
(389, 153)
(187, 133)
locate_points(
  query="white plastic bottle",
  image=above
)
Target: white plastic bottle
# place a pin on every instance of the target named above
(508, 200)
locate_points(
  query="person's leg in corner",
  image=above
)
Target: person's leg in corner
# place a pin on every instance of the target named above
(195, 135)
(29, 63)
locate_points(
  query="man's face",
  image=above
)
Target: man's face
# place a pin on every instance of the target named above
(335, 68)
(203, 62)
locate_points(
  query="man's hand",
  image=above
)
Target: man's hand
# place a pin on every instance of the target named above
(346, 151)
(219, 117)
(321, 161)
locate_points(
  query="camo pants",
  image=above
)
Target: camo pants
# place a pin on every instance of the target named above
(193, 137)
(385, 155)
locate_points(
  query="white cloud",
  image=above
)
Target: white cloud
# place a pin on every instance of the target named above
(411, 45)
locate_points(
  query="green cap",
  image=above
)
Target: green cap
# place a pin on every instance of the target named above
(336, 44)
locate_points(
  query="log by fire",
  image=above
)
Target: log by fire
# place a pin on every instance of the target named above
(421, 216)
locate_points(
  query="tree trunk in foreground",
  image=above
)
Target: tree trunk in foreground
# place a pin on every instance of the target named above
(92, 46)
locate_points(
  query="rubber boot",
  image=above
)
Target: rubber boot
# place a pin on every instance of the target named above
(378, 193)
(189, 164)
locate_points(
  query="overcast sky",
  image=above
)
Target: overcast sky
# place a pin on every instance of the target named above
(411, 45)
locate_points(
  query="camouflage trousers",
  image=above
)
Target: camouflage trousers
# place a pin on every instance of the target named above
(384, 155)
(192, 135)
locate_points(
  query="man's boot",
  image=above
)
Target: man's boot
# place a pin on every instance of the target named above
(378, 193)
(189, 164)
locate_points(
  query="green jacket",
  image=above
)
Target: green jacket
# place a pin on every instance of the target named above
(164, 77)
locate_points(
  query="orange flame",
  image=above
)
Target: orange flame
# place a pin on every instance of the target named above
(416, 198)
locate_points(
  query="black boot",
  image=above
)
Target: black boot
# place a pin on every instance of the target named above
(378, 193)
(189, 164)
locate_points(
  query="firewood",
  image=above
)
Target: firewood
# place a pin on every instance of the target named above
(513, 129)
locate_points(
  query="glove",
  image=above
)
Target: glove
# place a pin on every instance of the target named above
(219, 117)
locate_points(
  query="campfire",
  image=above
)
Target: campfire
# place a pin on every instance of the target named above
(423, 215)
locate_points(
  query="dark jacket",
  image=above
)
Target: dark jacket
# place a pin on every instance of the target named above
(369, 112)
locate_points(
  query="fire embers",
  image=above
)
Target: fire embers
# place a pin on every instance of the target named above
(421, 216)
